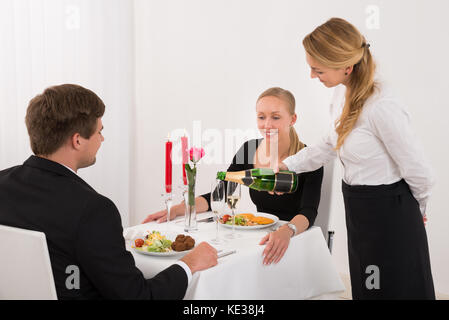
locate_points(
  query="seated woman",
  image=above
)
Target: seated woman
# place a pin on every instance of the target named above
(275, 119)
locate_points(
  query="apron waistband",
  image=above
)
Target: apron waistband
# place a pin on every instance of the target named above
(383, 190)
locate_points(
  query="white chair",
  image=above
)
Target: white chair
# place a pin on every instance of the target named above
(25, 268)
(322, 219)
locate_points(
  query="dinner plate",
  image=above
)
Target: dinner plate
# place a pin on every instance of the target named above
(171, 236)
(261, 226)
(161, 254)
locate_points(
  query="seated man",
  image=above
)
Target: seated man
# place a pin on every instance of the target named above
(82, 227)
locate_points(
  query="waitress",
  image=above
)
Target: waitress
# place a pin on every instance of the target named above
(386, 181)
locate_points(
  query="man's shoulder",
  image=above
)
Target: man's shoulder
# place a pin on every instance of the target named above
(62, 187)
(98, 201)
(92, 201)
(5, 172)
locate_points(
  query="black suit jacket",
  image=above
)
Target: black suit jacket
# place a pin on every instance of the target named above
(83, 228)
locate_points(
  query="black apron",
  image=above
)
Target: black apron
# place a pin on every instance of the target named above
(387, 243)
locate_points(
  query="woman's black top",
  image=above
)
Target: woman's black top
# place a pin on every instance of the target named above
(304, 201)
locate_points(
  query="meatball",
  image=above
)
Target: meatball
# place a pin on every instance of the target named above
(179, 246)
(180, 237)
(190, 243)
(183, 243)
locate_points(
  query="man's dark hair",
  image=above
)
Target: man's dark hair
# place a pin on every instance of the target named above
(60, 112)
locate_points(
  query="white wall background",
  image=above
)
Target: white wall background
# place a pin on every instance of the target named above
(161, 65)
(50, 42)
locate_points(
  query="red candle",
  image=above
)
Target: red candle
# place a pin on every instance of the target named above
(168, 166)
(185, 158)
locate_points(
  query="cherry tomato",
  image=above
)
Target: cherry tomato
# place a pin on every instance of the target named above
(226, 217)
(139, 243)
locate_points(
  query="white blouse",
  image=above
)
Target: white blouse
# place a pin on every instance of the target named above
(381, 149)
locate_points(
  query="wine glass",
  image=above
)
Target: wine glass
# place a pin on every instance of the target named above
(217, 200)
(233, 195)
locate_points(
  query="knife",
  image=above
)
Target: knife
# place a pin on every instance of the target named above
(224, 254)
(210, 219)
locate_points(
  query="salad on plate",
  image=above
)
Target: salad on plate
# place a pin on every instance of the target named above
(153, 242)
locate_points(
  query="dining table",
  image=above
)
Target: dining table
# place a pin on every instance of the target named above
(306, 271)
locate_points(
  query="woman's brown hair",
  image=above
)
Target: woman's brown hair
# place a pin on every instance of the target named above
(338, 44)
(286, 96)
(60, 112)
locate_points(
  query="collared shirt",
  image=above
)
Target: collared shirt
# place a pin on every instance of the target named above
(381, 148)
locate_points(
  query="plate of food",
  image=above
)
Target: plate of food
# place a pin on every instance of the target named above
(249, 221)
(157, 244)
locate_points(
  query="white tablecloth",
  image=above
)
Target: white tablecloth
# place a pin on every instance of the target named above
(305, 272)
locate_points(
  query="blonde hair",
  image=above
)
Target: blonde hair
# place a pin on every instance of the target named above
(338, 44)
(286, 96)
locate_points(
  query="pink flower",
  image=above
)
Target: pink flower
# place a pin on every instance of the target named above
(196, 154)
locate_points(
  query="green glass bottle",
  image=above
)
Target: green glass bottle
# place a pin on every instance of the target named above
(263, 179)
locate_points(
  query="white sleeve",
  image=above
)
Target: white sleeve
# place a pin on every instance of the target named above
(314, 157)
(391, 124)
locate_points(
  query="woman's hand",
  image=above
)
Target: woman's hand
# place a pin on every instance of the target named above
(160, 216)
(177, 210)
(276, 244)
(276, 169)
(280, 166)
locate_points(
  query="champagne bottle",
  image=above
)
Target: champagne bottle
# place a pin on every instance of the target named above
(263, 179)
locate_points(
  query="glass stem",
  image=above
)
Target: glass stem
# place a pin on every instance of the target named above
(216, 234)
(233, 222)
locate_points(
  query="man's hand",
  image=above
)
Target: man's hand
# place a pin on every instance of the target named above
(202, 257)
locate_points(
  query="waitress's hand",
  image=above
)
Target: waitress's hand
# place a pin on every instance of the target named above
(279, 167)
(276, 244)
(276, 169)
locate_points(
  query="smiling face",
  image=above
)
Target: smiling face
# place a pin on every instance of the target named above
(273, 118)
(328, 76)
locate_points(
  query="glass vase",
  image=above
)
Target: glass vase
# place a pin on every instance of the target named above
(190, 223)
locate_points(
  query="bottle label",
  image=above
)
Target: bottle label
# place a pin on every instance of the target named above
(284, 182)
(248, 179)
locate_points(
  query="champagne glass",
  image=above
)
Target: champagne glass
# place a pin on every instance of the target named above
(233, 196)
(217, 200)
(168, 199)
